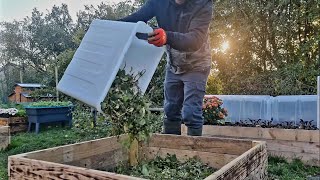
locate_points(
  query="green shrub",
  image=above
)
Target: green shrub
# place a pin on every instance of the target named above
(49, 104)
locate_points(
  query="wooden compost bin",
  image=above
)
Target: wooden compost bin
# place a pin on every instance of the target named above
(4, 137)
(287, 143)
(235, 159)
(17, 124)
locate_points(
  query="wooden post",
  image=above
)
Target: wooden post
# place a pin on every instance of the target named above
(21, 77)
(318, 104)
(56, 73)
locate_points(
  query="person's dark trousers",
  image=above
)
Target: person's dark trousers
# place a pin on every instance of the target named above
(184, 95)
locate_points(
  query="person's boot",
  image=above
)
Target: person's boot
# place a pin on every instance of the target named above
(194, 131)
(171, 127)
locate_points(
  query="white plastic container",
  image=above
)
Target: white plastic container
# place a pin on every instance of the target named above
(106, 47)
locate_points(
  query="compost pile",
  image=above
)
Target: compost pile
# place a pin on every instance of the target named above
(168, 168)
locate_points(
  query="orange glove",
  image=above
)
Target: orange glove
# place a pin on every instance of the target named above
(158, 37)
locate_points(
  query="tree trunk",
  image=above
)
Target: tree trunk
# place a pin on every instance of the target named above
(56, 74)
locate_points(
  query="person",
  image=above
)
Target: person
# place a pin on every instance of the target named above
(183, 30)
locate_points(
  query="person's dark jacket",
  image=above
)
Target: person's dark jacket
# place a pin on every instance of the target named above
(186, 26)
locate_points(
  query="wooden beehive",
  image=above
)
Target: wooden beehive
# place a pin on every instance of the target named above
(235, 159)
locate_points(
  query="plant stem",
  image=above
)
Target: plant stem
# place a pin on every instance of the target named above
(133, 153)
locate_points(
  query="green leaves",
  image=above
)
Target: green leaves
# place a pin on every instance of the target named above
(145, 171)
(49, 104)
(128, 108)
(168, 167)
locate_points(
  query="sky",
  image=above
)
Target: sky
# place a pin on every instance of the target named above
(19, 9)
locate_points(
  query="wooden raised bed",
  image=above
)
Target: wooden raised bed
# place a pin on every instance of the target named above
(4, 137)
(235, 159)
(287, 143)
(17, 124)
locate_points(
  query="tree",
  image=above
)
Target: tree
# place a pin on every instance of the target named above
(266, 39)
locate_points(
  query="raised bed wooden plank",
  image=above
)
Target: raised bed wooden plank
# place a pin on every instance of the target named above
(225, 146)
(30, 169)
(248, 163)
(77, 152)
(17, 124)
(214, 160)
(299, 135)
(288, 143)
(108, 152)
(4, 137)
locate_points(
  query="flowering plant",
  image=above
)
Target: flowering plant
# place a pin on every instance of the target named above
(213, 113)
(10, 112)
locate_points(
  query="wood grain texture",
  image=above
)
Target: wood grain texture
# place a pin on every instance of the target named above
(30, 169)
(244, 165)
(203, 144)
(4, 137)
(298, 135)
(74, 152)
(288, 143)
(77, 161)
(17, 124)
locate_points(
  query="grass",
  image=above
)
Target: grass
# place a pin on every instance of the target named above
(56, 136)
(279, 168)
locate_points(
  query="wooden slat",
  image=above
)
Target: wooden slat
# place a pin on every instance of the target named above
(108, 152)
(75, 152)
(307, 152)
(104, 161)
(260, 172)
(203, 144)
(4, 137)
(13, 120)
(30, 169)
(16, 128)
(214, 160)
(294, 147)
(239, 168)
(290, 143)
(261, 133)
(17, 124)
